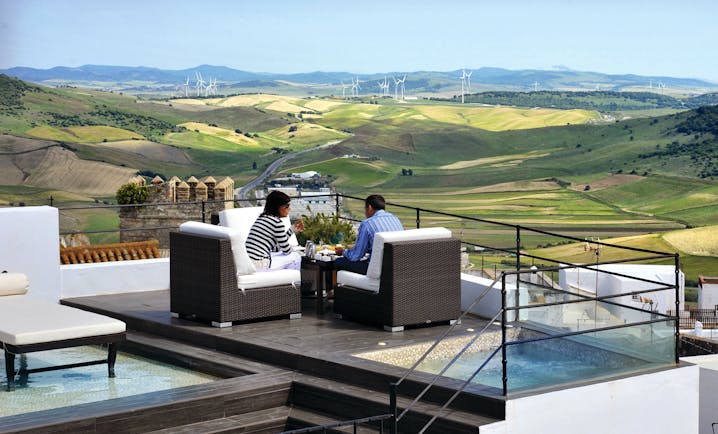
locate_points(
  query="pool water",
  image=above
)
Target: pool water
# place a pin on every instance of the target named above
(525, 369)
(65, 387)
(530, 365)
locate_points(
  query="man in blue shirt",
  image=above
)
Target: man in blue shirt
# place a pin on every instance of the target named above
(377, 220)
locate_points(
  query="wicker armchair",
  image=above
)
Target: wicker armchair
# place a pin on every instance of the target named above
(420, 283)
(203, 284)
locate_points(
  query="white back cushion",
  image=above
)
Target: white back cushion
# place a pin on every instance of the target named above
(241, 260)
(13, 284)
(377, 252)
(293, 238)
(241, 219)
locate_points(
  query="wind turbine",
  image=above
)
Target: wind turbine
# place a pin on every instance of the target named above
(396, 87)
(465, 83)
(344, 88)
(200, 82)
(355, 88)
(402, 87)
(536, 84)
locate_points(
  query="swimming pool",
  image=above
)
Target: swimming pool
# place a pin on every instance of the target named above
(54, 389)
(530, 365)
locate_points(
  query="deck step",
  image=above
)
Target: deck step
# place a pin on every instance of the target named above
(266, 421)
(345, 402)
(302, 418)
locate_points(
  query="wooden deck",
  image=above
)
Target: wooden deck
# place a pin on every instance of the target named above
(319, 345)
(281, 374)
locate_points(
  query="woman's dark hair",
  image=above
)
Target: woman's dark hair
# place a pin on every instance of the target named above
(275, 199)
(376, 201)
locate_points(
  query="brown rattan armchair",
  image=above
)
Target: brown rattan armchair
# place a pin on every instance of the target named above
(420, 283)
(203, 285)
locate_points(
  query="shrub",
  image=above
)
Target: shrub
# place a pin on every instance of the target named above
(328, 229)
(131, 193)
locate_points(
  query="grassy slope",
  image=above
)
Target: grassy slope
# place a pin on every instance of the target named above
(424, 138)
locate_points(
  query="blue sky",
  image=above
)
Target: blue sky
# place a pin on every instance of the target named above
(658, 38)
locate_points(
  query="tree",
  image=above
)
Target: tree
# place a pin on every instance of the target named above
(254, 165)
(131, 193)
(410, 172)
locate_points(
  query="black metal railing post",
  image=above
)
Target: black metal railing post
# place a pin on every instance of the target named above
(678, 305)
(336, 204)
(50, 200)
(203, 212)
(518, 250)
(504, 377)
(393, 428)
(418, 219)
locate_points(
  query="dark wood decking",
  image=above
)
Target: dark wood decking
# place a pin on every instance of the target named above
(319, 345)
(282, 374)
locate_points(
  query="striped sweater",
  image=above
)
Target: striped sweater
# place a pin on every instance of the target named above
(267, 235)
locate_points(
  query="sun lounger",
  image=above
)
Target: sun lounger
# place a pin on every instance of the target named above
(29, 324)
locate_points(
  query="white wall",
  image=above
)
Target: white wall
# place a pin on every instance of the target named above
(473, 286)
(609, 284)
(708, 296)
(79, 280)
(708, 391)
(30, 244)
(664, 402)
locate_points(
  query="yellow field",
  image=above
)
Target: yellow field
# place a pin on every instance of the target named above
(505, 118)
(256, 99)
(513, 158)
(284, 107)
(322, 105)
(222, 133)
(62, 167)
(88, 134)
(307, 133)
(151, 150)
(697, 241)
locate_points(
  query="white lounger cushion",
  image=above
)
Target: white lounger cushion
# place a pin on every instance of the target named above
(13, 284)
(358, 281)
(28, 320)
(377, 252)
(241, 260)
(269, 278)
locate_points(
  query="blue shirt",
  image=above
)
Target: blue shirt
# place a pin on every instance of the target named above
(381, 221)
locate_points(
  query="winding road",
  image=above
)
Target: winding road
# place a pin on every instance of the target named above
(241, 193)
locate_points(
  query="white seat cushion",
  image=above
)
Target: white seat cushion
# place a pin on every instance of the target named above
(268, 278)
(241, 219)
(28, 320)
(13, 284)
(358, 281)
(241, 260)
(377, 252)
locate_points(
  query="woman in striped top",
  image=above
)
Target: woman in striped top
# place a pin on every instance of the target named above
(268, 240)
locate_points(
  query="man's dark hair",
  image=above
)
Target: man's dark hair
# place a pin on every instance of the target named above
(376, 201)
(275, 199)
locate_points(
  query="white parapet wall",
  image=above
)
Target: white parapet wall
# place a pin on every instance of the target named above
(79, 280)
(708, 407)
(29, 244)
(664, 402)
(473, 287)
(571, 279)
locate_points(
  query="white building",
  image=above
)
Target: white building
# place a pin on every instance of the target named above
(707, 292)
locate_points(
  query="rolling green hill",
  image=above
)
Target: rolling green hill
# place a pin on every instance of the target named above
(586, 175)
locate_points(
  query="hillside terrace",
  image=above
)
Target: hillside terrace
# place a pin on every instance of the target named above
(312, 363)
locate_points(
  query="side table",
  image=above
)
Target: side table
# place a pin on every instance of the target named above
(322, 275)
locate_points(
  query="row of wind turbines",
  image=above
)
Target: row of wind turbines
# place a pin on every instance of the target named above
(202, 87)
(399, 86)
(383, 87)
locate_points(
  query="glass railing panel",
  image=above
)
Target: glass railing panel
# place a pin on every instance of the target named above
(556, 361)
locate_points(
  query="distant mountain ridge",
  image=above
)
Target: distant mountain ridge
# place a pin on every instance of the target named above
(516, 79)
